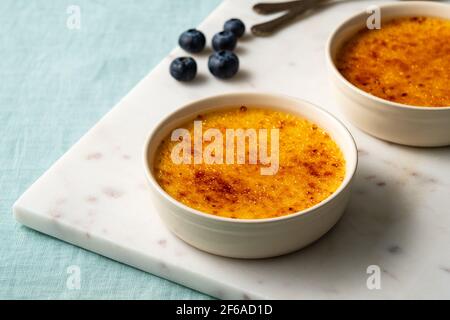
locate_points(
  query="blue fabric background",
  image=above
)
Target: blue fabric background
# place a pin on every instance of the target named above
(55, 83)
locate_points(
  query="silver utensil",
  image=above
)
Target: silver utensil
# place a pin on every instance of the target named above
(273, 7)
(293, 8)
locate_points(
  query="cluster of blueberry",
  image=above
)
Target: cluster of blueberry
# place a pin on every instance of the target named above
(223, 63)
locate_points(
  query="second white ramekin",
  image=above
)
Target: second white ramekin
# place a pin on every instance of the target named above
(399, 123)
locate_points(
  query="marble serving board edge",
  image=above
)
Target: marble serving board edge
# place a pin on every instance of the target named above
(137, 259)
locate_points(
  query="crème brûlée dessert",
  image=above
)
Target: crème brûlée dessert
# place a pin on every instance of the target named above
(311, 167)
(406, 61)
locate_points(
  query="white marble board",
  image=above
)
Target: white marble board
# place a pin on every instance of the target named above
(96, 195)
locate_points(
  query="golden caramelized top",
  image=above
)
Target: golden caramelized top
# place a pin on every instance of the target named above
(311, 168)
(406, 61)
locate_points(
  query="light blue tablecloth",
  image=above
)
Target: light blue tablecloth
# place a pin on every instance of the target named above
(55, 83)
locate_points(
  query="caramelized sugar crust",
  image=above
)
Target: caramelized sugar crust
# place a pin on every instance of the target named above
(406, 61)
(311, 168)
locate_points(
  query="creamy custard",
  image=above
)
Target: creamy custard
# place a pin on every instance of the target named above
(406, 61)
(311, 168)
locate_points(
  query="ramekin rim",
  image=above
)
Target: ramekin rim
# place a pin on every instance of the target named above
(349, 174)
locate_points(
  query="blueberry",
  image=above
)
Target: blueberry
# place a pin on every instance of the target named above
(192, 41)
(224, 40)
(236, 26)
(223, 64)
(183, 68)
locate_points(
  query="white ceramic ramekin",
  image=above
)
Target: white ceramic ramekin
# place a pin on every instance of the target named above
(399, 123)
(257, 238)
